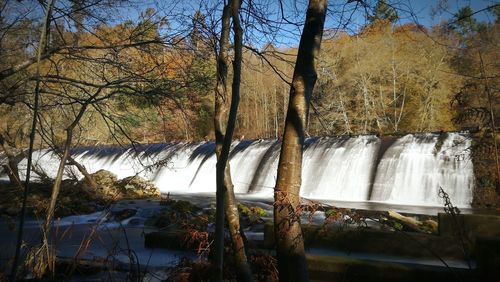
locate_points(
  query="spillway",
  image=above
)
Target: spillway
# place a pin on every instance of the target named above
(407, 170)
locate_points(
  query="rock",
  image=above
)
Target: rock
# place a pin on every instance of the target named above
(426, 226)
(251, 215)
(106, 181)
(137, 186)
(183, 206)
(104, 178)
(430, 225)
(132, 186)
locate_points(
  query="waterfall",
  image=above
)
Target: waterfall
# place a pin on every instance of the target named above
(359, 169)
(339, 168)
(416, 165)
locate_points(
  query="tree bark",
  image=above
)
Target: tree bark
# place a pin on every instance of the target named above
(224, 122)
(13, 160)
(41, 46)
(56, 188)
(292, 264)
(89, 180)
(62, 164)
(57, 181)
(220, 112)
(231, 208)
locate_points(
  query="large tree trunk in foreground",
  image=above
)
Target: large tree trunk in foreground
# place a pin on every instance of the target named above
(292, 264)
(224, 122)
(41, 47)
(220, 112)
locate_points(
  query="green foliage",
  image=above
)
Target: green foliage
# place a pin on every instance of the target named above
(198, 26)
(131, 120)
(396, 225)
(463, 21)
(148, 27)
(332, 213)
(203, 123)
(383, 11)
(495, 10)
(252, 214)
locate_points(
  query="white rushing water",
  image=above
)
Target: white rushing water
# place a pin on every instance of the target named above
(413, 169)
(409, 172)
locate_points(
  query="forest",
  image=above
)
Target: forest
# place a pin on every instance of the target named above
(125, 73)
(156, 82)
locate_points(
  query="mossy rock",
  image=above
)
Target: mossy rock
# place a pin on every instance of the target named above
(251, 211)
(137, 186)
(104, 178)
(183, 206)
(251, 215)
(180, 212)
(164, 219)
(430, 226)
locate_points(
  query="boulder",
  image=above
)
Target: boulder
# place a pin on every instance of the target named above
(104, 177)
(132, 186)
(106, 181)
(137, 186)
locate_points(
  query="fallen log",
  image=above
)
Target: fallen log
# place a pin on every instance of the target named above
(412, 224)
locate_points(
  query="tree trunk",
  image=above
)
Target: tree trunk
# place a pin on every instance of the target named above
(231, 208)
(220, 112)
(48, 254)
(224, 128)
(13, 160)
(11, 169)
(56, 188)
(64, 158)
(57, 181)
(292, 264)
(89, 180)
(41, 48)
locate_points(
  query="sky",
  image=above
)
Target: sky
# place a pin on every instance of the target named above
(446, 9)
(424, 12)
(350, 16)
(346, 15)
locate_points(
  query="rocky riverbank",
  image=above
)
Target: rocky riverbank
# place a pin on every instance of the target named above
(76, 196)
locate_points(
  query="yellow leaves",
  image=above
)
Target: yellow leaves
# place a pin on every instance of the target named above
(389, 79)
(377, 27)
